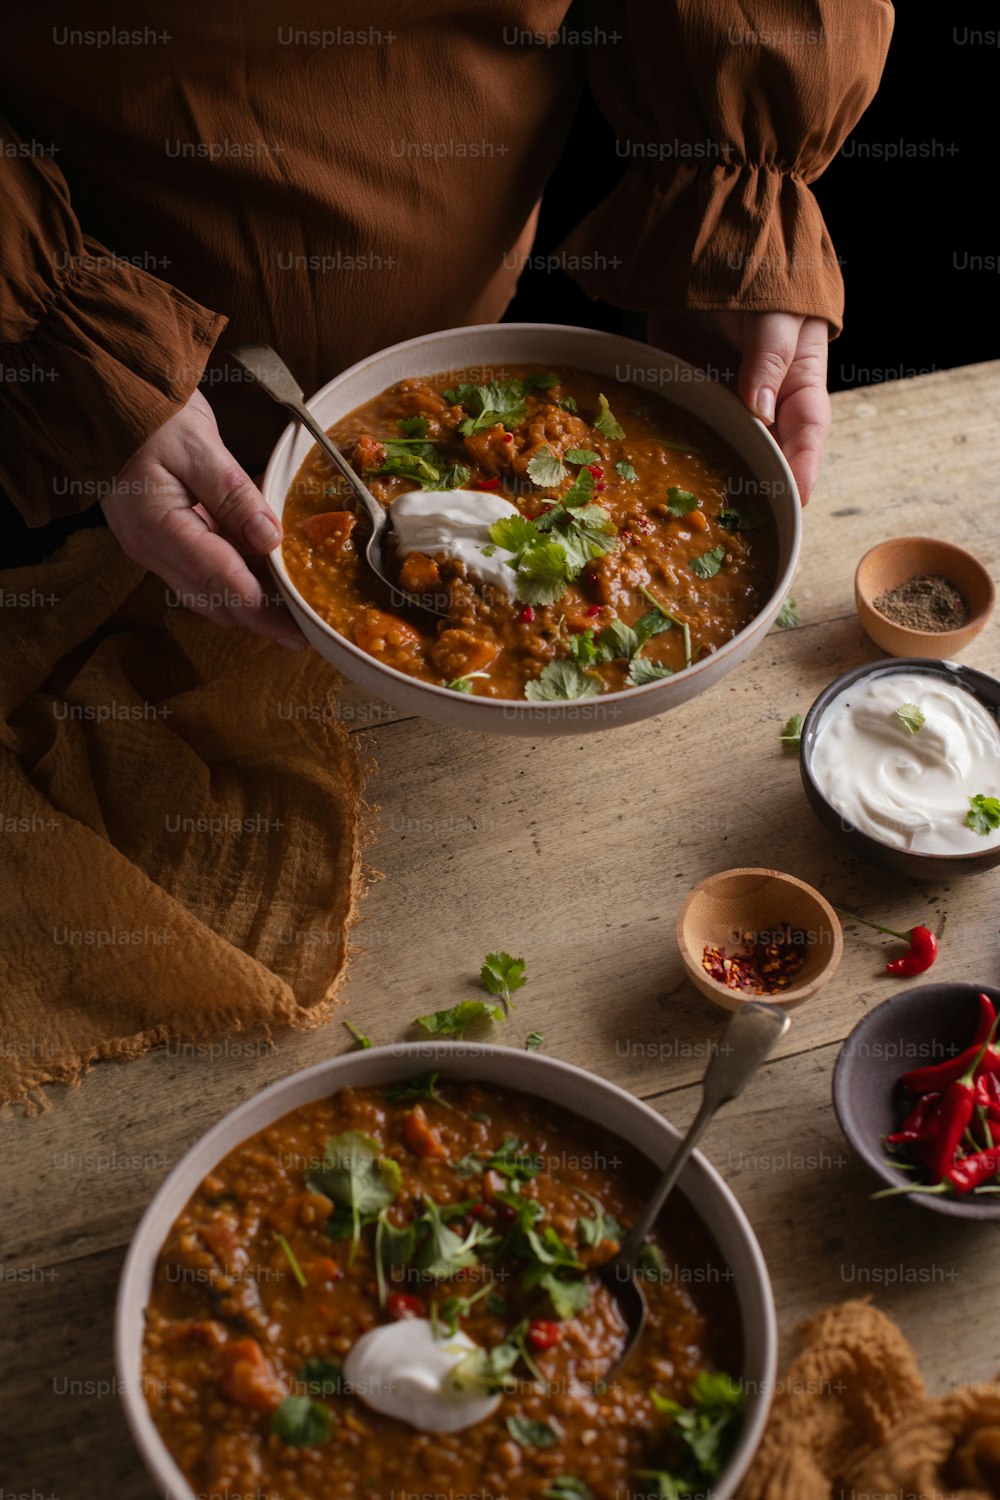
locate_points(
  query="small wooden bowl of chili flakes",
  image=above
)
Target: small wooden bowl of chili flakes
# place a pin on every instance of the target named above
(755, 934)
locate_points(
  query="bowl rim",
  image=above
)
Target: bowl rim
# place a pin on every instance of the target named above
(976, 621)
(955, 1208)
(399, 1060)
(783, 997)
(893, 666)
(503, 706)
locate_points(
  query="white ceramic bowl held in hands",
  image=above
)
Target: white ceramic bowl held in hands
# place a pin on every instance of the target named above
(467, 352)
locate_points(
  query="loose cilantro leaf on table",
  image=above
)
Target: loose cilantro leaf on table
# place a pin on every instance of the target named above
(546, 470)
(625, 470)
(911, 717)
(561, 681)
(681, 502)
(984, 814)
(301, 1422)
(501, 975)
(531, 1434)
(788, 615)
(357, 1177)
(456, 1020)
(364, 1042)
(709, 563)
(533, 1041)
(413, 427)
(605, 422)
(791, 735)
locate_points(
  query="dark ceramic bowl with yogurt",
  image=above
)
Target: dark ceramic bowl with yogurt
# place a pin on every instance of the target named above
(893, 799)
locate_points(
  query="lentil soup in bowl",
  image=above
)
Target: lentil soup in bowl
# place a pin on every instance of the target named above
(384, 1266)
(606, 531)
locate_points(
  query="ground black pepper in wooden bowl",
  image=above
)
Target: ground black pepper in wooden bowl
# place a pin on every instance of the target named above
(927, 602)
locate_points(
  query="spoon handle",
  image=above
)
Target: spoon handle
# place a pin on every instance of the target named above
(273, 376)
(745, 1043)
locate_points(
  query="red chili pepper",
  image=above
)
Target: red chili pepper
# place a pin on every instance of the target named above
(487, 484)
(919, 956)
(957, 1108)
(972, 1171)
(527, 614)
(596, 470)
(938, 1075)
(403, 1305)
(542, 1334)
(913, 1126)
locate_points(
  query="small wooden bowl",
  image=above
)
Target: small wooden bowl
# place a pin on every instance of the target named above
(903, 557)
(726, 905)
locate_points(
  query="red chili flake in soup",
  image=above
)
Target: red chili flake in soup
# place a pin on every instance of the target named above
(619, 496)
(243, 1357)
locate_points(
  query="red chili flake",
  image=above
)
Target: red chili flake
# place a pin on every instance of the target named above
(765, 963)
(596, 470)
(508, 437)
(599, 486)
(487, 484)
(476, 1210)
(595, 609)
(527, 614)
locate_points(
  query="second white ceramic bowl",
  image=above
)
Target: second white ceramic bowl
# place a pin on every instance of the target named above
(561, 1083)
(474, 354)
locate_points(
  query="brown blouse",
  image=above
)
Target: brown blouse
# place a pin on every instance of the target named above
(332, 178)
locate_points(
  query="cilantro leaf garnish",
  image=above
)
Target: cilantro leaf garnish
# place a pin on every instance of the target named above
(791, 735)
(706, 1429)
(395, 1245)
(421, 462)
(568, 1295)
(356, 1176)
(542, 572)
(582, 648)
(511, 1159)
(546, 470)
(580, 490)
(605, 422)
(364, 1042)
(617, 639)
(322, 1377)
(502, 401)
(487, 1370)
(911, 717)
(984, 814)
(514, 533)
(533, 1041)
(456, 1020)
(540, 382)
(501, 974)
(788, 615)
(422, 1086)
(569, 404)
(413, 427)
(444, 1253)
(672, 619)
(641, 671)
(582, 456)
(601, 1226)
(292, 1260)
(735, 518)
(531, 1434)
(650, 624)
(681, 502)
(301, 1422)
(568, 1487)
(464, 684)
(561, 681)
(709, 563)
(625, 470)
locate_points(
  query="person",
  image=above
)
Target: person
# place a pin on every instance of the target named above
(330, 182)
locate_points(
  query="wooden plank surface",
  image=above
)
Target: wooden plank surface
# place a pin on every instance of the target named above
(577, 854)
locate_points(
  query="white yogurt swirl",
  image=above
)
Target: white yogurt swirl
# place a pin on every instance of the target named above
(403, 1371)
(455, 523)
(910, 790)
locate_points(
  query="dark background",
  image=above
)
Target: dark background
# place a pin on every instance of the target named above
(898, 225)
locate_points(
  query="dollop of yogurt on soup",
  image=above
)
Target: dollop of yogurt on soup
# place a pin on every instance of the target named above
(909, 786)
(403, 1371)
(455, 523)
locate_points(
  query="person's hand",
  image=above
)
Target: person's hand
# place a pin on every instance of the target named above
(185, 510)
(782, 379)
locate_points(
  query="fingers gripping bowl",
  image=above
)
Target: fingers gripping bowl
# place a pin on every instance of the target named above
(675, 542)
(710, 1308)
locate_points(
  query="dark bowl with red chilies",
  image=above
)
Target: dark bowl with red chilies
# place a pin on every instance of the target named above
(922, 1026)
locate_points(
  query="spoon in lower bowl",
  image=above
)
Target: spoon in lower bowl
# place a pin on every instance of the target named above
(744, 1044)
(273, 376)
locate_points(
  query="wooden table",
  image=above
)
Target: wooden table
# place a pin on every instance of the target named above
(576, 854)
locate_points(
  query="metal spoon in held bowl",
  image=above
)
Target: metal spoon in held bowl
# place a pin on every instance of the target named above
(273, 376)
(745, 1043)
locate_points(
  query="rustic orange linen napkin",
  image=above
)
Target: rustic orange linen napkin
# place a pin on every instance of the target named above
(181, 823)
(851, 1421)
